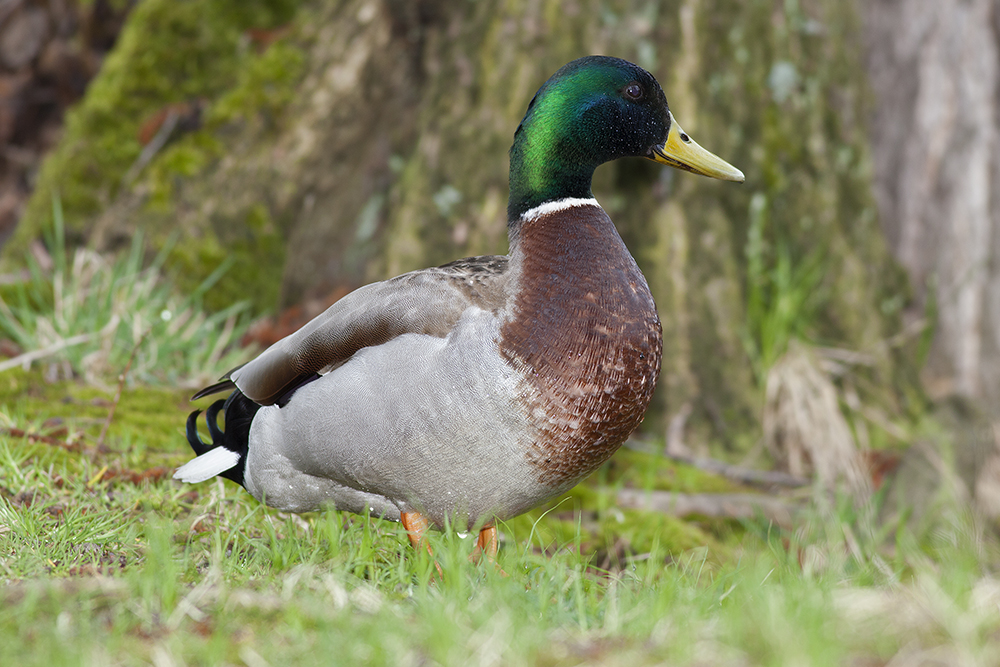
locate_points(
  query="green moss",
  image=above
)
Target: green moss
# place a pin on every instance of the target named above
(151, 418)
(169, 51)
(185, 159)
(252, 248)
(648, 471)
(608, 536)
(265, 86)
(588, 517)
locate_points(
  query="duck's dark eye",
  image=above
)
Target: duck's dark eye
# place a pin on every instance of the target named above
(633, 91)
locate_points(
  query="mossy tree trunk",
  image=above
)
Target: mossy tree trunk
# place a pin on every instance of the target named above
(935, 66)
(371, 139)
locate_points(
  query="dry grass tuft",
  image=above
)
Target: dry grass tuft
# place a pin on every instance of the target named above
(804, 428)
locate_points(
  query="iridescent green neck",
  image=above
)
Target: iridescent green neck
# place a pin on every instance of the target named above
(557, 146)
(546, 163)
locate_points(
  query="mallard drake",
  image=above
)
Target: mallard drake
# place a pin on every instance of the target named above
(476, 390)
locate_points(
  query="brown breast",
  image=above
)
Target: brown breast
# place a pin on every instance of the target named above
(586, 334)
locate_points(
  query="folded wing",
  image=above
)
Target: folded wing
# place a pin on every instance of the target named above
(429, 302)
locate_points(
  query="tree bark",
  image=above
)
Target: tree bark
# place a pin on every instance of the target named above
(388, 153)
(935, 69)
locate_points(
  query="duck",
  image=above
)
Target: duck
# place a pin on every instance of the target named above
(472, 392)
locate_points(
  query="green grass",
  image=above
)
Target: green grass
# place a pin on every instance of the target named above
(99, 566)
(105, 560)
(784, 296)
(97, 315)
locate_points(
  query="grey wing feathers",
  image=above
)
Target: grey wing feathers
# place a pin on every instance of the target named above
(429, 301)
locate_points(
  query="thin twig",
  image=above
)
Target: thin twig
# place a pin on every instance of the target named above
(745, 475)
(736, 473)
(35, 355)
(118, 394)
(150, 150)
(715, 505)
(15, 278)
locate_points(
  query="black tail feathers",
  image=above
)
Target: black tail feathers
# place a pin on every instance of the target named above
(239, 412)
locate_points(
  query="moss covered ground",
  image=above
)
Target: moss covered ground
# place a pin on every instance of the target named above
(106, 560)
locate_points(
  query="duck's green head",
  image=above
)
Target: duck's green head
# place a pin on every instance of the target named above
(591, 111)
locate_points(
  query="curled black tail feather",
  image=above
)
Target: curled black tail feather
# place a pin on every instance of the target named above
(220, 386)
(239, 413)
(212, 419)
(194, 439)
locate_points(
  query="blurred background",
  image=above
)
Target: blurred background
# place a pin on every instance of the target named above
(836, 316)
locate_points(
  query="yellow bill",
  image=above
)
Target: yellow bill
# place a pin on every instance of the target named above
(683, 152)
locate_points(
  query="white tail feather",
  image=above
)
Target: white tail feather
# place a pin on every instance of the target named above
(207, 466)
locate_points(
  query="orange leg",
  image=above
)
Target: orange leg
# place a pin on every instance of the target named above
(416, 525)
(487, 544)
